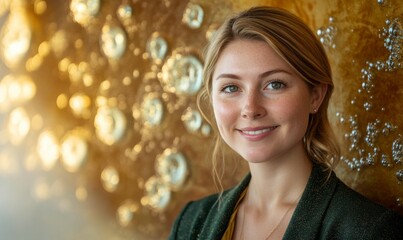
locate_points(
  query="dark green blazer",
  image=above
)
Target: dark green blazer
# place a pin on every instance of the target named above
(328, 209)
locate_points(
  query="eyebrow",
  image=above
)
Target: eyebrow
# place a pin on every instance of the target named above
(262, 75)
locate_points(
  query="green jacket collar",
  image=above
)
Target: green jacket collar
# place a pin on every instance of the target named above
(306, 220)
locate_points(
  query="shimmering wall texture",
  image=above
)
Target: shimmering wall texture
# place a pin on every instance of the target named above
(100, 136)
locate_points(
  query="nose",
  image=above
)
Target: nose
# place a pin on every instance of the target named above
(253, 107)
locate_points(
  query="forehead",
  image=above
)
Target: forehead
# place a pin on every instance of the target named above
(248, 56)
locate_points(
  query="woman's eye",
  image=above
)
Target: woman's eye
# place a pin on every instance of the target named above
(230, 89)
(276, 85)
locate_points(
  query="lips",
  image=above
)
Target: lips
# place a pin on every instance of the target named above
(257, 132)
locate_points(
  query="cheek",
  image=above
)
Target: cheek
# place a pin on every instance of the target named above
(223, 113)
(294, 110)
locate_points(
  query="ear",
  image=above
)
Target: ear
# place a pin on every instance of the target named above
(318, 93)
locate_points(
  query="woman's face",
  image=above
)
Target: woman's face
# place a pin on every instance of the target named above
(260, 104)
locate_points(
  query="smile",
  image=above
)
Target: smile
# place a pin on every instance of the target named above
(257, 132)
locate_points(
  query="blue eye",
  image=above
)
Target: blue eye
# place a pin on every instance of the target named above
(276, 85)
(230, 89)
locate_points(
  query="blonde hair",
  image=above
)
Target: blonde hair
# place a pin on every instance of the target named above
(298, 46)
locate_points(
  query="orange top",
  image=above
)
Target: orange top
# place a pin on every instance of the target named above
(231, 225)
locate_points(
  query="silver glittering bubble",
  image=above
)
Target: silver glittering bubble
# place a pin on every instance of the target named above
(15, 39)
(171, 166)
(110, 124)
(84, 10)
(385, 160)
(182, 74)
(192, 120)
(193, 16)
(157, 194)
(113, 41)
(152, 110)
(399, 175)
(157, 48)
(388, 128)
(393, 40)
(125, 11)
(74, 151)
(327, 34)
(372, 133)
(397, 150)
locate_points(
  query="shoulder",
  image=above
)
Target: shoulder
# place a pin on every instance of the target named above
(192, 217)
(351, 214)
(207, 218)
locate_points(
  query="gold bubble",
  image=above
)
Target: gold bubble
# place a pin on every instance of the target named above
(15, 38)
(127, 81)
(105, 86)
(48, 149)
(16, 89)
(88, 80)
(40, 7)
(136, 73)
(137, 52)
(43, 49)
(64, 64)
(137, 148)
(74, 151)
(78, 43)
(62, 101)
(126, 211)
(33, 63)
(84, 11)
(18, 125)
(110, 124)
(110, 179)
(79, 104)
(59, 42)
(101, 101)
(82, 66)
(145, 56)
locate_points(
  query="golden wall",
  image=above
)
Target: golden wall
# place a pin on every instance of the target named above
(100, 136)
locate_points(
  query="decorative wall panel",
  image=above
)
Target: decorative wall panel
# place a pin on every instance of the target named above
(100, 135)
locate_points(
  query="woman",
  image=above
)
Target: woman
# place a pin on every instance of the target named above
(269, 82)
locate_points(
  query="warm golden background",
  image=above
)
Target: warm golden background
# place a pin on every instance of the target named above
(100, 137)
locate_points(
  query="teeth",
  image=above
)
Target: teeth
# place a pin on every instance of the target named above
(258, 131)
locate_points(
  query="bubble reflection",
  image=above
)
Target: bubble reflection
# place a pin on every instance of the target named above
(19, 125)
(193, 16)
(113, 41)
(48, 149)
(110, 179)
(84, 10)
(182, 74)
(15, 39)
(74, 151)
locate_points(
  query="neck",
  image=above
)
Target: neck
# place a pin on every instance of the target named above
(275, 183)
